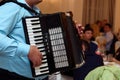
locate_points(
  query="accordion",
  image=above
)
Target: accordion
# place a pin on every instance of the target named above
(57, 39)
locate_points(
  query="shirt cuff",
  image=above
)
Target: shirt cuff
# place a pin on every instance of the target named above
(23, 49)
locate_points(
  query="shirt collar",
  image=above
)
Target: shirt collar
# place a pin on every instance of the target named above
(34, 7)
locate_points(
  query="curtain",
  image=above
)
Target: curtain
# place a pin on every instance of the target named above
(94, 10)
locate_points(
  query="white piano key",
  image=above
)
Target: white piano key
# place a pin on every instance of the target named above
(44, 65)
(38, 38)
(38, 68)
(30, 22)
(39, 73)
(44, 60)
(42, 49)
(33, 39)
(33, 24)
(35, 34)
(31, 30)
(40, 45)
(29, 19)
(32, 42)
(43, 53)
(30, 34)
(29, 26)
(38, 42)
(43, 69)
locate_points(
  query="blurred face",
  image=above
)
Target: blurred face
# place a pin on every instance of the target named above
(106, 28)
(33, 2)
(88, 35)
(36, 1)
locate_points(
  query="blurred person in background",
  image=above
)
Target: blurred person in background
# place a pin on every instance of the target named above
(92, 59)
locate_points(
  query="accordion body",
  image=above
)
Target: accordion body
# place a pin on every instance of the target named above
(57, 39)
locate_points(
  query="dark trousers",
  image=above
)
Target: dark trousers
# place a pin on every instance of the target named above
(6, 75)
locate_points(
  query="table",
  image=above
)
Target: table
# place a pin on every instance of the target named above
(111, 63)
(58, 76)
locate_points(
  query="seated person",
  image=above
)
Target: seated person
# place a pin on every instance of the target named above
(110, 39)
(101, 41)
(92, 60)
(116, 58)
(117, 50)
(117, 43)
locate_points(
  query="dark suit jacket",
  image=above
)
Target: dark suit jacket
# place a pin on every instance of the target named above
(92, 61)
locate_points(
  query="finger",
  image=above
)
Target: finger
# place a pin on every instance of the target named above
(38, 62)
(34, 64)
(40, 54)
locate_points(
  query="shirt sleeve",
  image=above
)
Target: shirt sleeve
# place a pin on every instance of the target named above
(109, 36)
(8, 18)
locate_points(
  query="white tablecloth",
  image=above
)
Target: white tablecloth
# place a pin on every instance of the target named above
(111, 63)
(58, 76)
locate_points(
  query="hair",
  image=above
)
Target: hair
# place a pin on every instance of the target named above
(98, 21)
(87, 28)
(109, 25)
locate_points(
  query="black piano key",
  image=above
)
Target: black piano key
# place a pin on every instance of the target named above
(37, 31)
(37, 36)
(36, 28)
(38, 43)
(44, 70)
(44, 62)
(35, 23)
(44, 67)
(42, 50)
(43, 55)
(44, 58)
(38, 40)
(41, 47)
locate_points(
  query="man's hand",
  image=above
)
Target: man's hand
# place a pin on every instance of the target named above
(35, 56)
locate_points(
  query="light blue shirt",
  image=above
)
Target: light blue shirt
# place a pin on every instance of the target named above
(13, 48)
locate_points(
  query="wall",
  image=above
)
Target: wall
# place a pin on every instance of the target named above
(117, 16)
(51, 6)
(76, 6)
